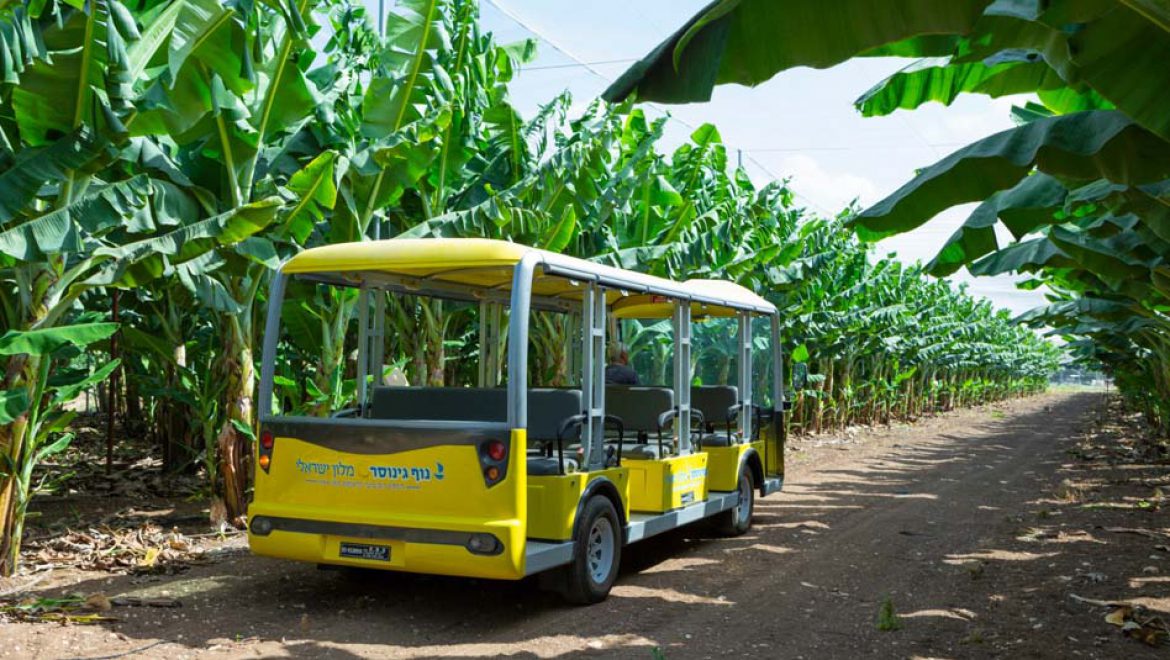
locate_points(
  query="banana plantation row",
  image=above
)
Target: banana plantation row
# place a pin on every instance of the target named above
(1082, 184)
(161, 159)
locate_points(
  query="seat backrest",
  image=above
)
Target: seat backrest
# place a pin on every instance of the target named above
(638, 406)
(548, 408)
(713, 401)
(456, 404)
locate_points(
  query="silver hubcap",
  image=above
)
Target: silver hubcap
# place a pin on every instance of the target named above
(743, 509)
(599, 553)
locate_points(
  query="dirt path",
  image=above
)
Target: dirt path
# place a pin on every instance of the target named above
(929, 517)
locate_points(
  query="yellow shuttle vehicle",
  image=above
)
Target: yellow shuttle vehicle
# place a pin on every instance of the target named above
(506, 480)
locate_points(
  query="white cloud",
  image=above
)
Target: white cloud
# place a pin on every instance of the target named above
(828, 189)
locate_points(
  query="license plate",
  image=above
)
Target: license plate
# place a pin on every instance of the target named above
(365, 551)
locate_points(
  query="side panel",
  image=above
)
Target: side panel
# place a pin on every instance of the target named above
(771, 445)
(669, 483)
(723, 468)
(553, 501)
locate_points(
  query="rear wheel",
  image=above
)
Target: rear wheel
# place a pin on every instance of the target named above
(738, 519)
(597, 553)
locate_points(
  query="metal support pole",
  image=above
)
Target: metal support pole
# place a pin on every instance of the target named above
(378, 338)
(593, 376)
(268, 352)
(518, 341)
(682, 374)
(745, 376)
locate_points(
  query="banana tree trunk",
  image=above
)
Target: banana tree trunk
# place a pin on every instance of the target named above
(435, 350)
(237, 370)
(330, 373)
(12, 438)
(21, 373)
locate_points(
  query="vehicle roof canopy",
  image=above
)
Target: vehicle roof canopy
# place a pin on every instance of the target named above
(478, 268)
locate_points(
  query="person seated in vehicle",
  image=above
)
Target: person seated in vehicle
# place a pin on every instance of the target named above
(619, 371)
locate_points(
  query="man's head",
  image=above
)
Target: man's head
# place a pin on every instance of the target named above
(619, 353)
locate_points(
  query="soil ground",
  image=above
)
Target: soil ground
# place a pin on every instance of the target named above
(984, 530)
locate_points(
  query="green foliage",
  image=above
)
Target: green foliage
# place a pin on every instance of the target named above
(1082, 184)
(730, 41)
(175, 152)
(1056, 146)
(887, 618)
(48, 341)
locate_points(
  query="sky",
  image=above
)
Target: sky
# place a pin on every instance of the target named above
(799, 125)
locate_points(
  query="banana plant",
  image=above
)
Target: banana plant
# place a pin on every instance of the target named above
(33, 415)
(1081, 183)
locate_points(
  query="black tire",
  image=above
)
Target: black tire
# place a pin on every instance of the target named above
(597, 553)
(738, 519)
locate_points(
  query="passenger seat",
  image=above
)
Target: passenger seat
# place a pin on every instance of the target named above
(720, 407)
(639, 408)
(548, 409)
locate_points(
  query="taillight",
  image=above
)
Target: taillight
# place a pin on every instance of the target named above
(267, 442)
(496, 450)
(493, 457)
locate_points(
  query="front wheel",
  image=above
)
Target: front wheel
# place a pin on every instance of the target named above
(738, 519)
(597, 553)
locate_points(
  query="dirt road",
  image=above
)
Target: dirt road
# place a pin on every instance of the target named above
(927, 518)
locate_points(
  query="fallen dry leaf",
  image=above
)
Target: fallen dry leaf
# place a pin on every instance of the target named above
(1118, 616)
(150, 559)
(145, 548)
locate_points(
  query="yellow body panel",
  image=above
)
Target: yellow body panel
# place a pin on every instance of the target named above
(724, 463)
(773, 453)
(669, 483)
(553, 501)
(445, 490)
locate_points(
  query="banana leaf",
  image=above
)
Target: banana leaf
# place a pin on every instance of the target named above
(1083, 146)
(749, 41)
(50, 340)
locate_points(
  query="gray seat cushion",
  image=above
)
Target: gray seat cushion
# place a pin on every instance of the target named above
(648, 452)
(718, 440)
